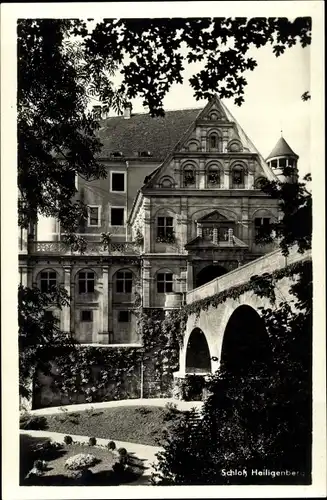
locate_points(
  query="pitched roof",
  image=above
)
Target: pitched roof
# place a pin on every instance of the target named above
(281, 149)
(141, 132)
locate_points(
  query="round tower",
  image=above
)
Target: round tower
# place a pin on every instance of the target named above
(283, 156)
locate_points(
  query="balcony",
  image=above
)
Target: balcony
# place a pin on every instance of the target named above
(93, 248)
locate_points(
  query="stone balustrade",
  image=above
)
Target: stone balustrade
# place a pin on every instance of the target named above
(93, 248)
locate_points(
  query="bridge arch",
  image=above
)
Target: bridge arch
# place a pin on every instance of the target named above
(245, 344)
(198, 359)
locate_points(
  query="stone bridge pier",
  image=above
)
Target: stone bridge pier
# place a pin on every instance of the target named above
(233, 333)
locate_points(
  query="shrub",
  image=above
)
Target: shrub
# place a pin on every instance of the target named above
(48, 450)
(192, 388)
(68, 440)
(112, 445)
(40, 465)
(92, 441)
(171, 412)
(83, 476)
(32, 422)
(122, 452)
(123, 459)
(118, 468)
(80, 461)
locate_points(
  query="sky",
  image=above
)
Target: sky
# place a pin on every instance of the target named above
(272, 101)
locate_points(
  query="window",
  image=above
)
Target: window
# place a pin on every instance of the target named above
(259, 183)
(213, 177)
(117, 217)
(238, 177)
(165, 229)
(93, 216)
(207, 233)
(274, 163)
(123, 316)
(86, 281)
(261, 224)
(87, 316)
(213, 142)
(124, 282)
(282, 162)
(48, 280)
(164, 282)
(166, 183)
(118, 182)
(189, 177)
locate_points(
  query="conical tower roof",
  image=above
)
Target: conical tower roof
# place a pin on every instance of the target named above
(281, 149)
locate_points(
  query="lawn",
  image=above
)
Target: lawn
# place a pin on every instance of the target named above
(135, 424)
(57, 474)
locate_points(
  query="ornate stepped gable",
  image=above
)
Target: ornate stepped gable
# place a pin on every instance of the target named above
(213, 140)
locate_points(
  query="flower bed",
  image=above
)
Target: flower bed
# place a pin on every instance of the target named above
(74, 464)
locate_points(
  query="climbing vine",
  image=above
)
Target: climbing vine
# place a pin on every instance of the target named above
(114, 373)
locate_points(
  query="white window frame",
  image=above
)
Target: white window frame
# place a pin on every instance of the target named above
(89, 217)
(117, 172)
(115, 206)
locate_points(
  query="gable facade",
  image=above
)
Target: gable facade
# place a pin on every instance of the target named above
(195, 201)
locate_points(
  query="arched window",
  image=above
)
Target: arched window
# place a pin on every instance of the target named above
(166, 182)
(214, 142)
(124, 281)
(189, 176)
(238, 177)
(165, 282)
(259, 183)
(213, 177)
(48, 280)
(86, 282)
(213, 116)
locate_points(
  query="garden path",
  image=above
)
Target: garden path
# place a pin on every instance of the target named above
(181, 405)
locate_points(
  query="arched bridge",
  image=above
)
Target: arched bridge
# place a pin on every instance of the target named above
(233, 332)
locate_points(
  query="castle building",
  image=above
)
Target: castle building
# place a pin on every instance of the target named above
(182, 203)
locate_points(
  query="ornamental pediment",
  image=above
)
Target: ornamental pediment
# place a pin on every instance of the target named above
(212, 218)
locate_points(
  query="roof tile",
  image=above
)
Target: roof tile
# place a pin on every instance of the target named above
(141, 132)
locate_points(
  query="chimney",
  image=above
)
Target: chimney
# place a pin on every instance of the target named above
(97, 112)
(128, 111)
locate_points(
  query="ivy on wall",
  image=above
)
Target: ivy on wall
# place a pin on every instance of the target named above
(109, 373)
